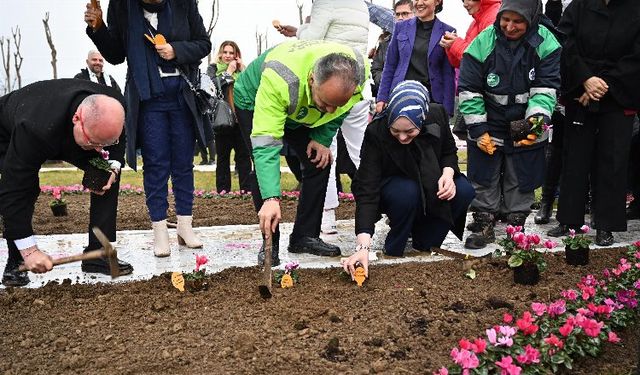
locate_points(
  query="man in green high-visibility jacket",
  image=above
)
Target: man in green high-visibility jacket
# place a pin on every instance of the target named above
(300, 91)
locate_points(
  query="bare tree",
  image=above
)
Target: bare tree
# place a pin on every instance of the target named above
(54, 53)
(260, 39)
(17, 57)
(300, 4)
(215, 14)
(6, 62)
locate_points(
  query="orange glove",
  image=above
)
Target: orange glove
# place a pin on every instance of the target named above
(531, 139)
(486, 144)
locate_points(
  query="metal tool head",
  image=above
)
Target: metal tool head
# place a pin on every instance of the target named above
(110, 253)
(265, 287)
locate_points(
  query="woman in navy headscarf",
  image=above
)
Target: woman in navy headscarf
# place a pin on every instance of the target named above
(409, 171)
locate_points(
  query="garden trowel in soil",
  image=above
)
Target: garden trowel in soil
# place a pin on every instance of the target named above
(107, 252)
(265, 287)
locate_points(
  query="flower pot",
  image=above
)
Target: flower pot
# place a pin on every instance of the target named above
(59, 210)
(519, 129)
(95, 179)
(526, 274)
(576, 257)
(195, 285)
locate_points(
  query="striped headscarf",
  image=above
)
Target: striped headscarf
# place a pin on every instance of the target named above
(409, 99)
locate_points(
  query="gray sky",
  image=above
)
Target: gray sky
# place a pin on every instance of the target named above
(238, 21)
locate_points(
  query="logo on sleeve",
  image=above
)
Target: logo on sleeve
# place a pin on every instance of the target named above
(532, 74)
(493, 80)
(302, 113)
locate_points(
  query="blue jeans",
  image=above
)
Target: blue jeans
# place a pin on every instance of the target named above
(168, 137)
(401, 200)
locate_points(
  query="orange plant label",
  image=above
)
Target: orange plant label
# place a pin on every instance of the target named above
(287, 281)
(358, 276)
(178, 281)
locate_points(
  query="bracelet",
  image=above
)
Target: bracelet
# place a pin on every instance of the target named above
(271, 199)
(363, 247)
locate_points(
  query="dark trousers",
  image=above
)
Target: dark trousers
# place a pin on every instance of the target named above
(554, 159)
(600, 146)
(168, 138)
(313, 186)
(226, 142)
(402, 202)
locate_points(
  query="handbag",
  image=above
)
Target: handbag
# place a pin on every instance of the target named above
(223, 118)
(205, 101)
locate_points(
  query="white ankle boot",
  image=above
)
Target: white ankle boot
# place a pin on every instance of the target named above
(185, 233)
(160, 239)
(328, 225)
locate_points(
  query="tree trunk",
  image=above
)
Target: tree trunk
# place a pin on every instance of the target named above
(54, 53)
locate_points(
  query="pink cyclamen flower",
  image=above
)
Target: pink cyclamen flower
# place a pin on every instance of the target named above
(479, 346)
(57, 193)
(442, 371)
(491, 336)
(533, 238)
(530, 355)
(612, 337)
(201, 260)
(510, 230)
(592, 327)
(507, 366)
(525, 324)
(557, 308)
(507, 318)
(549, 244)
(637, 284)
(553, 340)
(104, 154)
(585, 228)
(569, 294)
(539, 308)
(572, 233)
(566, 329)
(464, 358)
(291, 266)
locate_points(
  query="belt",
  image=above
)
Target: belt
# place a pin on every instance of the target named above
(168, 74)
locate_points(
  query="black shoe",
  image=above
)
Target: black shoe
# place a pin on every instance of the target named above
(517, 219)
(479, 220)
(275, 257)
(481, 239)
(560, 231)
(501, 217)
(13, 277)
(100, 265)
(604, 238)
(314, 246)
(544, 213)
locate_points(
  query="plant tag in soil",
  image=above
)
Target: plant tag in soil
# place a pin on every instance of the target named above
(358, 276)
(178, 281)
(287, 281)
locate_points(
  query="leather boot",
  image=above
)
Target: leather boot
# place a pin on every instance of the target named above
(517, 219)
(544, 212)
(160, 239)
(480, 239)
(477, 224)
(185, 233)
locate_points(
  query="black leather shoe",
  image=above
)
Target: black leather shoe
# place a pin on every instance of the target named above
(314, 246)
(559, 231)
(102, 266)
(544, 213)
(275, 257)
(13, 277)
(517, 218)
(604, 238)
(633, 212)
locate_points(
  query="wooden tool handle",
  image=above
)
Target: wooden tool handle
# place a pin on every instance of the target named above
(95, 254)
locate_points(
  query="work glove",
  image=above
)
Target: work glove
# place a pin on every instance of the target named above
(486, 144)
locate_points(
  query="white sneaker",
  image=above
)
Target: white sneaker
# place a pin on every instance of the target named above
(328, 225)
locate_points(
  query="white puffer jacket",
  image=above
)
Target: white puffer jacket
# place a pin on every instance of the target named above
(340, 21)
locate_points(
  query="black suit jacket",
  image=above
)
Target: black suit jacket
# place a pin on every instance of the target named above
(35, 126)
(84, 74)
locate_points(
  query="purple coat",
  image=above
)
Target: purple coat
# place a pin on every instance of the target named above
(441, 73)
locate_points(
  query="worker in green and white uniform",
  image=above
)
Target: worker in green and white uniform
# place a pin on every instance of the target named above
(299, 91)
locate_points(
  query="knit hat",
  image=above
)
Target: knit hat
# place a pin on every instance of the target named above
(409, 99)
(529, 9)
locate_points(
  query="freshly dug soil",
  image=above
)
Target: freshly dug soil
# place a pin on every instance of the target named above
(133, 214)
(405, 319)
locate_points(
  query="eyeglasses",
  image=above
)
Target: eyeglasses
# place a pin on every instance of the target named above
(90, 142)
(403, 14)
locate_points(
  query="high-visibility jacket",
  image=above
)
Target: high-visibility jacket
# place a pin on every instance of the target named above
(275, 86)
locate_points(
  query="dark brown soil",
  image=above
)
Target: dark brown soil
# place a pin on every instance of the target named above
(405, 319)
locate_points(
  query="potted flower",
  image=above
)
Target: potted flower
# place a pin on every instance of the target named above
(194, 281)
(577, 247)
(530, 129)
(289, 276)
(524, 257)
(98, 173)
(58, 205)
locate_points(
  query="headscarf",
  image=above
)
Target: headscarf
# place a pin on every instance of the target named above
(409, 99)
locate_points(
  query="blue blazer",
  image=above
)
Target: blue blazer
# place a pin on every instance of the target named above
(441, 73)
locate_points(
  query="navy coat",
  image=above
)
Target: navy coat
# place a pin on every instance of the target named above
(190, 42)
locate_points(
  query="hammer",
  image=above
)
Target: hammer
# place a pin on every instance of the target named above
(107, 252)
